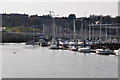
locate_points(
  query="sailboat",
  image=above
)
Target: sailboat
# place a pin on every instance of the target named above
(73, 44)
(83, 46)
(101, 50)
(117, 52)
(54, 43)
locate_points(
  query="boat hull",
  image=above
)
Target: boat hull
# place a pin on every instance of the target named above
(54, 47)
(117, 52)
(85, 50)
(101, 51)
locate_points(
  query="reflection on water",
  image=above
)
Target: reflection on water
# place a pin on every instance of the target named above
(38, 62)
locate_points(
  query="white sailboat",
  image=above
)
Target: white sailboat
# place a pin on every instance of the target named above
(73, 44)
(117, 52)
(85, 49)
(54, 43)
(82, 47)
(102, 51)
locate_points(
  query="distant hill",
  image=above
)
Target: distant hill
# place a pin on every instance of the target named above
(14, 20)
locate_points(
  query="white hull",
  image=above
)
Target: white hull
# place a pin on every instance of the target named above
(53, 46)
(102, 51)
(117, 52)
(84, 49)
(73, 48)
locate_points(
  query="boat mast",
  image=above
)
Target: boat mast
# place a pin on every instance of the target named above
(89, 31)
(93, 31)
(74, 29)
(43, 29)
(81, 29)
(53, 23)
(117, 33)
(106, 31)
(33, 34)
(100, 27)
(54, 27)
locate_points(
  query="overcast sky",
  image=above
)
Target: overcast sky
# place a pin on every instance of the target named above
(61, 8)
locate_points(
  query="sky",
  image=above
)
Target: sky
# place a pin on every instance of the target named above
(61, 7)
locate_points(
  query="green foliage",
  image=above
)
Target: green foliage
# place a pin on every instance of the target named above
(21, 29)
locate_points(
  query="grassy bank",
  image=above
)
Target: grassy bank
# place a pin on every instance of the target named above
(21, 29)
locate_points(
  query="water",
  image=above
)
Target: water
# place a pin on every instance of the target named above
(37, 62)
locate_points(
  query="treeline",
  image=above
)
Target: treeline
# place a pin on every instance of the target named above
(14, 20)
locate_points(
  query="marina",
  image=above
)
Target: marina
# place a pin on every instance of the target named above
(60, 40)
(82, 44)
(110, 48)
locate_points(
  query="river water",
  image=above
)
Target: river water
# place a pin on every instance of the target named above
(26, 61)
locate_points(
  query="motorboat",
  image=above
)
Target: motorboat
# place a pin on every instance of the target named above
(104, 51)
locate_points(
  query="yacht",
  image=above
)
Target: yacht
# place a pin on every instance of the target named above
(117, 52)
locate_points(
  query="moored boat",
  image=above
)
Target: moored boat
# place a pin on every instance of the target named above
(117, 52)
(73, 46)
(54, 44)
(84, 49)
(43, 43)
(104, 51)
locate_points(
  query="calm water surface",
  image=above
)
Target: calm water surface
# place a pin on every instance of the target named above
(38, 62)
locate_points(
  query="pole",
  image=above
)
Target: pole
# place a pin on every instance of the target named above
(74, 29)
(43, 29)
(117, 32)
(89, 31)
(54, 27)
(100, 27)
(93, 32)
(53, 24)
(33, 33)
(106, 32)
